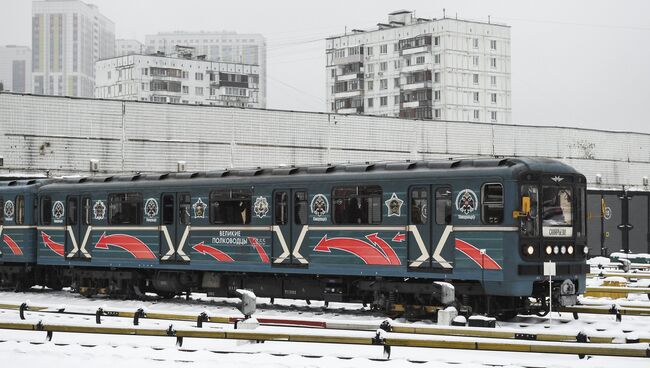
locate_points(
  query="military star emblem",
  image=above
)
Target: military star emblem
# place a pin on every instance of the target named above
(394, 205)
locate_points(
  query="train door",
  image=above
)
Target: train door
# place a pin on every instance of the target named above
(175, 221)
(443, 244)
(290, 210)
(419, 232)
(77, 221)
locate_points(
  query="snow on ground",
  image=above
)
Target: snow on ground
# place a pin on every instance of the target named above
(30, 349)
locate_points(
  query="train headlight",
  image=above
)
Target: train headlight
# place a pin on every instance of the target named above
(563, 249)
(570, 249)
(556, 249)
(530, 250)
(585, 250)
(549, 249)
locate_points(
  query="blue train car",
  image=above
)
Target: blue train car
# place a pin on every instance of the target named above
(384, 233)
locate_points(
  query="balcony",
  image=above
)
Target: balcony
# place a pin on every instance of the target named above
(358, 58)
(347, 77)
(348, 94)
(417, 85)
(415, 50)
(350, 110)
(415, 68)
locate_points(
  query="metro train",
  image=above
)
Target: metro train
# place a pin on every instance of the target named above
(398, 235)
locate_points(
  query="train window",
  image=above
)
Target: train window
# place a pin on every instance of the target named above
(20, 210)
(46, 210)
(168, 209)
(492, 199)
(184, 206)
(2, 206)
(528, 223)
(281, 209)
(86, 209)
(443, 206)
(230, 206)
(581, 226)
(419, 206)
(301, 208)
(357, 204)
(125, 209)
(72, 211)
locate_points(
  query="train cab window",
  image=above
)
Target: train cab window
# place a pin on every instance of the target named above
(184, 207)
(72, 211)
(230, 206)
(125, 209)
(46, 210)
(86, 209)
(20, 210)
(357, 205)
(281, 208)
(492, 200)
(528, 224)
(168, 209)
(301, 208)
(419, 206)
(443, 206)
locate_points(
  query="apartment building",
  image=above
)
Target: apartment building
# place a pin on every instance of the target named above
(68, 36)
(222, 46)
(418, 68)
(16, 68)
(128, 47)
(181, 78)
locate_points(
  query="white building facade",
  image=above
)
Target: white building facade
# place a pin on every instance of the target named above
(177, 80)
(217, 46)
(128, 47)
(443, 69)
(16, 68)
(68, 36)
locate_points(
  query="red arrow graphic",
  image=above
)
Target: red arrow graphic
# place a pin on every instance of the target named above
(482, 260)
(260, 251)
(399, 237)
(386, 249)
(54, 246)
(212, 252)
(15, 249)
(361, 249)
(129, 243)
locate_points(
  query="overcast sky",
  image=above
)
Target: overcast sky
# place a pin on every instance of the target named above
(574, 63)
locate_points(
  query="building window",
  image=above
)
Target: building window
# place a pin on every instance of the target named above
(436, 41)
(396, 98)
(476, 114)
(396, 82)
(396, 46)
(369, 51)
(475, 60)
(186, 90)
(493, 115)
(109, 75)
(198, 76)
(370, 67)
(383, 84)
(383, 66)
(436, 113)
(493, 44)
(475, 77)
(493, 80)
(436, 59)
(333, 72)
(358, 205)
(436, 77)
(475, 43)
(493, 98)
(230, 206)
(198, 91)
(476, 97)
(370, 85)
(125, 209)
(383, 49)
(397, 64)
(419, 60)
(436, 95)
(370, 102)
(383, 101)
(493, 62)
(185, 75)
(492, 199)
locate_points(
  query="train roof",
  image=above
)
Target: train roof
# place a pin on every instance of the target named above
(506, 167)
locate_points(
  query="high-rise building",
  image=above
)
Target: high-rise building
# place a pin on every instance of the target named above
(181, 78)
(16, 68)
(217, 46)
(447, 69)
(128, 47)
(68, 36)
